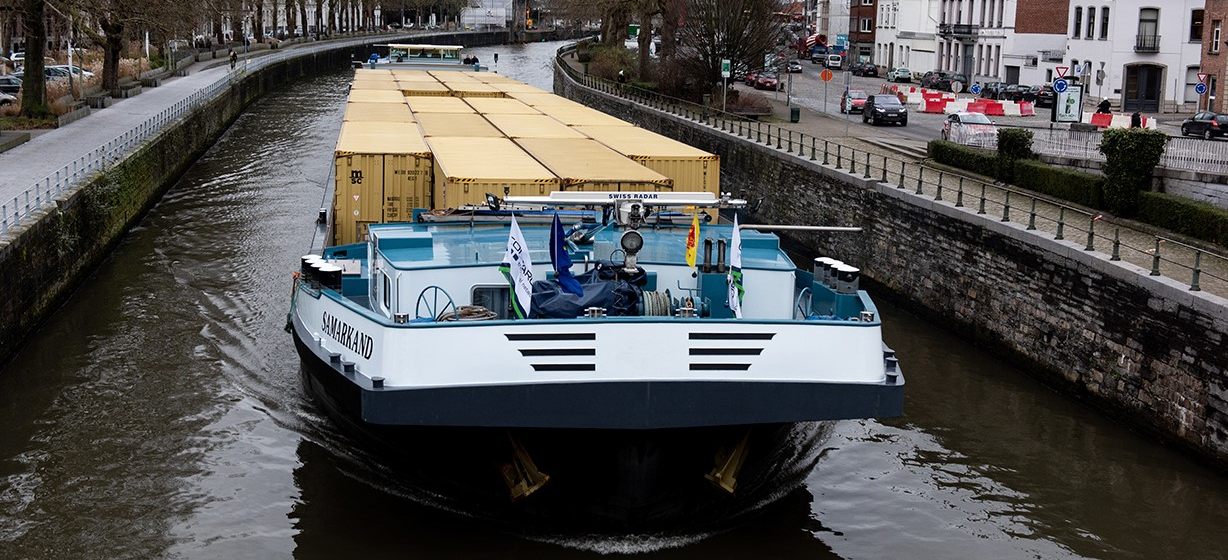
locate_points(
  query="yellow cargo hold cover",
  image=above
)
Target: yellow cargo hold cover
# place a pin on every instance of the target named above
(438, 105)
(452, 75)
(635, 141)
(541, 98)
(486, 160)
(371, 74)
(516, 87)
(456, 124)
(376, 96)
(378, 112)
(412, 75)
(374, 85)
(532, 126)
(473, 88)
(500, 105)
(580, 116)
(412, 88)
(587, 161)
(381, 138)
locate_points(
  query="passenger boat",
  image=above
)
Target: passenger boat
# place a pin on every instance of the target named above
(641, 391)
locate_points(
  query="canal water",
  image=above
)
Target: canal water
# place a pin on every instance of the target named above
(159, 414)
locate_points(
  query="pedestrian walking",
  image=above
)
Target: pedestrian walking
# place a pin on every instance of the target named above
(234, 59)
(1103, 107)
(1136, 120)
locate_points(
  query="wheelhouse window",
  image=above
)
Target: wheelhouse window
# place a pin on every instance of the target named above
(1078, 21)
(387, 292)
(495, 297)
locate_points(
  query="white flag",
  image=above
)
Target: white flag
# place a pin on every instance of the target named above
(735, 271)
(517, 267)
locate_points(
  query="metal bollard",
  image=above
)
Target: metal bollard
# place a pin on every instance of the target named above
(866, 175)
(938, 190)
(885, 169)
(1006, 208)
(778, 135)
(853, 162)
(825, 152)
(790, 141)
(758, 132)
(1032, 215)
(838, 159)
(1155, 259)
(920, 179)
(1061, 223)
(1116, 245)
(981, 209)
(812, 141)
(902, 167)
(959, 193)
(1197, 271)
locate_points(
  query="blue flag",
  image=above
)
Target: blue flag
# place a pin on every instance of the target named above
(560, 260)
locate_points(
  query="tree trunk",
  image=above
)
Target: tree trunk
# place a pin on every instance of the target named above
(670, 13)
(291, 24)
(302, 7)
(114, 33)
(645, 41)
(34, 92)
(258, 30)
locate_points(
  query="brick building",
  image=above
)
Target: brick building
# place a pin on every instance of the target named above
(1214, 60)
(861, 30)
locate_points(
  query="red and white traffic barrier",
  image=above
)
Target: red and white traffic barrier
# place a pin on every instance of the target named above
(1111, 120)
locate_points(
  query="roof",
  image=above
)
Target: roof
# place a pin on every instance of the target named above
(380, 138)
(532, 126)
(501, 105)
(633, 141)
(588, 161)
(378, 112)
(456, 124)
(470, 159)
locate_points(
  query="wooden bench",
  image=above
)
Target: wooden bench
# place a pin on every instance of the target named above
(127, 88)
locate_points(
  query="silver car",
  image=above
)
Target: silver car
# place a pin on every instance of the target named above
(899, 75)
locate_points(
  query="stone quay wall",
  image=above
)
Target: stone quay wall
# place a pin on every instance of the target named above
(1142, 348)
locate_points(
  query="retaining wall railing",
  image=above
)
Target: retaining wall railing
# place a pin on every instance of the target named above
(1197, 267)
(67, 179)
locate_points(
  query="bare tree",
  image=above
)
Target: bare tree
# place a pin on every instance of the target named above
(34, 89)
(740, 30)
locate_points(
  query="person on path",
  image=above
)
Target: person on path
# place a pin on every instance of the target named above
(234, 59)
(1136, 120)
(1103, 107)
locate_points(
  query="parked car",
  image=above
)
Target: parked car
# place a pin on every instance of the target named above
(834, 61)
(6, 99)
(930, 79)
(49, 73)
(1207, 124)
(77, 71)
(750, 77)
(971, 129)
(946, 84)
(884, 108)
(19, 60)
(853, 101)
(794, 67)
(992, 90)
(768, 80)
(899, 75)
(864, 69)
(10, 84)
(1041, 95)
(1013, 92)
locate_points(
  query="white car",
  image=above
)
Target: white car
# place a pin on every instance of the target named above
(970, 129)
(77, 71)
(6, 99)
(899, 75)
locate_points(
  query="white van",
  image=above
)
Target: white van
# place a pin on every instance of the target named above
(834, 61)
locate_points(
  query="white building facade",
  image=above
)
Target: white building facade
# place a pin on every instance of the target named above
(907, 35)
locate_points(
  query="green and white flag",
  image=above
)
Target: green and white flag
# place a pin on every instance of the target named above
(735, 271)
(517, 267)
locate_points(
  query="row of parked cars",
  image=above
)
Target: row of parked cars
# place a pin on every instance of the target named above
(1041, 95)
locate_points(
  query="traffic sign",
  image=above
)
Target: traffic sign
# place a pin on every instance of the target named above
(1061, 71)
(826, 75)
(1200, 88)
(725, 68)
(1059, 85)
(957, 87)
(975, 89)
(1202, 77)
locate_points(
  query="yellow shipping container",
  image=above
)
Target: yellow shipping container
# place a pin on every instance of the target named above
(692, 169)
(493, 78)
(372, 74)
(468, 168)
(378, 112)
(390, 85)
(500, 105)
(452, 76)
(376, 96)
(532, 126)
(439, 105)
(540, 98)
(456, 124)
(423, 88)
(383, 171)
(580, 116)
(588, 165)
(402, 75)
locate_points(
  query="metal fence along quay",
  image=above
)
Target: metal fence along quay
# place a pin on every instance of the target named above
(64, 181)
(1197, 267)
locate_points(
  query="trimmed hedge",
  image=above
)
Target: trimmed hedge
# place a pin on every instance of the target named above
(1067, 184)
(1181, 215)
(1172, 213)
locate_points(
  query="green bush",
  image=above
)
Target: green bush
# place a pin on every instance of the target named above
(976, 160)
(1015, 143)
(1131, 155)
(1067, 184)
(1188, 217)
(607, 61)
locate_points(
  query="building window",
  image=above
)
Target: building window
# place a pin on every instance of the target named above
(867, 25)
(1196, 26)
(1216, 34)
(1091, 22)
(1104, 23)
(1078, 23)
(867, 2)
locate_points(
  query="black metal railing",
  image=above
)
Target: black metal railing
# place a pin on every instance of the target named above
(1147, 43)
(958, 29)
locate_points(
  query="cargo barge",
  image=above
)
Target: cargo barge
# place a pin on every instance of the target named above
(673, 378)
